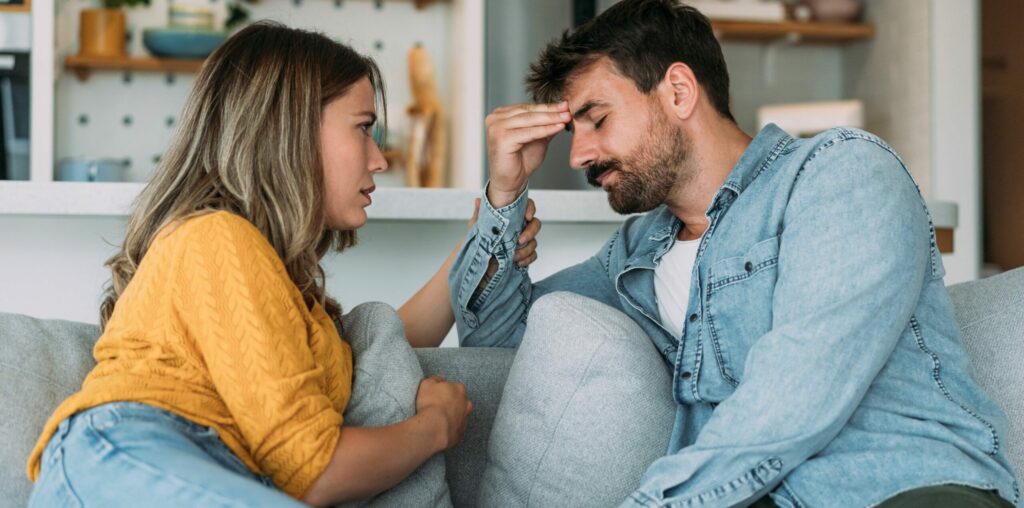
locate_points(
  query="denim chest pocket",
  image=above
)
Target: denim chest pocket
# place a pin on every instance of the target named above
(739, 304)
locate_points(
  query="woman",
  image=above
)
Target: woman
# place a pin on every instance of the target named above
(221, 377)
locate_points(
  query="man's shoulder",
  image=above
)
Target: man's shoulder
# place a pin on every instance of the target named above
(840, 141)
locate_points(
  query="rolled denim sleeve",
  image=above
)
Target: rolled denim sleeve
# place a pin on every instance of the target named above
(493, 315)
(854, 254)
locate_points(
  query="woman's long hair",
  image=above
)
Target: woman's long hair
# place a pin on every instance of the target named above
(248, 142)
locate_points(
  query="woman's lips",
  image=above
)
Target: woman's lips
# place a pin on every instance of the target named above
(366, 192)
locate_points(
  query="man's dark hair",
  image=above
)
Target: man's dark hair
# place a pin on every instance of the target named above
(642, 38)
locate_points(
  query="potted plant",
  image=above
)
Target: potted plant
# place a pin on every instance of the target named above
(101, 32)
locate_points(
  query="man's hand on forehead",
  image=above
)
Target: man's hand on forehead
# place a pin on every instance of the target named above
(517, 140)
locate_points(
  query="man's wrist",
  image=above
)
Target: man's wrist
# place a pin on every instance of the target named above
(501, 198)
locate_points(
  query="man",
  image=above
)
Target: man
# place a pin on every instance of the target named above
(792, 286)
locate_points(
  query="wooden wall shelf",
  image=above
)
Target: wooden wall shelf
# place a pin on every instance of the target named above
(792, 31)
(84, 65)
(25, 7)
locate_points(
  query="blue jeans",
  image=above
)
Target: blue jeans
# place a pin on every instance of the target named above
(131, 454)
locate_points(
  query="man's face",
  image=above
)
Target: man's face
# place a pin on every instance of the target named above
(623, 139)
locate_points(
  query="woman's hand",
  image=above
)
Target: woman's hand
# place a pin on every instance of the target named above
(526, 249)
(448, 400)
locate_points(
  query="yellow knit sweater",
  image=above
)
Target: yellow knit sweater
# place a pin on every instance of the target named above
(212, 328)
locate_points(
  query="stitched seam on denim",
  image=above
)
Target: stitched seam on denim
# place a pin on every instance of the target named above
(142, 465)
(710, 316)
(554, 429)
(67, 484)
(644, 499)
(774, 464)
(499, 274)
(770, 160)
(733, 279)
(608, 255)
(698, 364)
(180, 422)
(797, 502)
(471, 271)
(937, 376)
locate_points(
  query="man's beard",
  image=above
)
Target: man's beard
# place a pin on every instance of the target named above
(645, 179)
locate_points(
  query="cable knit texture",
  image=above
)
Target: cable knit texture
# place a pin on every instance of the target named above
(212, 328)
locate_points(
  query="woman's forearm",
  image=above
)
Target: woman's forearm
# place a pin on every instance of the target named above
(368, 461)
(428, 314)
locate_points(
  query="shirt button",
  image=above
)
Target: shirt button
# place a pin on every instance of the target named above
(749, 267)
(495, 230)
(687, 375)
(694, 317)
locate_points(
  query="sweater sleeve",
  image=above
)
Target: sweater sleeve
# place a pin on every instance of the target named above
(248, 321)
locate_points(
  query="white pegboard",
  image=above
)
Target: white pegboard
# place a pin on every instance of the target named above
(133, 115)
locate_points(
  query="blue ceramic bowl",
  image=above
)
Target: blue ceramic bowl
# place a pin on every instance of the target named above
(180, 42)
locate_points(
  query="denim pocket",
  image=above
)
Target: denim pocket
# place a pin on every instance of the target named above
(739, 304)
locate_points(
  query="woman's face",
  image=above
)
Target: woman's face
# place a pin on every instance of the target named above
(350, 156)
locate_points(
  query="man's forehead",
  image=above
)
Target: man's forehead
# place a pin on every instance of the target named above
(599, 82)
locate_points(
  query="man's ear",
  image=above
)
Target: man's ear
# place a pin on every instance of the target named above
(679, 91)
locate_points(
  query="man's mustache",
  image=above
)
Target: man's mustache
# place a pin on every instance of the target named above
(599, 168)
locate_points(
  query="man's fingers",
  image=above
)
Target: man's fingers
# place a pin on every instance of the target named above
(518, 109)
(532, 119)
(516, 138)
(531, 208)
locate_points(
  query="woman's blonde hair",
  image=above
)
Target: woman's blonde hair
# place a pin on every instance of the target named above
(248, 142)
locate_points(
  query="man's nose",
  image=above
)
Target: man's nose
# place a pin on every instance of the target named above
(583, 151)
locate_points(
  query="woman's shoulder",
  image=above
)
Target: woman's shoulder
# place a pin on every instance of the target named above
(208, 222)
(214, 231)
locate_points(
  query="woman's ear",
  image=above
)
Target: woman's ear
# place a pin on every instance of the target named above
(680, 90)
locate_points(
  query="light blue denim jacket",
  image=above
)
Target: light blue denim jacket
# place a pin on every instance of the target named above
(820, 361)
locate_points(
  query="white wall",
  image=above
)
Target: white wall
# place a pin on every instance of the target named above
(956, 127)
(52, 267)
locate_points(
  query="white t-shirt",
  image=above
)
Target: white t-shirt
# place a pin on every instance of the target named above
(672, 284)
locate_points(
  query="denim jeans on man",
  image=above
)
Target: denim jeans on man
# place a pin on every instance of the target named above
(821, 361)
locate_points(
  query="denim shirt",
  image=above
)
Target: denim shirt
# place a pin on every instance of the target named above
(820, 362)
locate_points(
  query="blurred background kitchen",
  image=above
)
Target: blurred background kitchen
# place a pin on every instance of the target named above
(90, 94)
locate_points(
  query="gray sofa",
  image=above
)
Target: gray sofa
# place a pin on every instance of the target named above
(44, 361)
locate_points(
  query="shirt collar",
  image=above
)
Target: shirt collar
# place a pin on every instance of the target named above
(762, 151)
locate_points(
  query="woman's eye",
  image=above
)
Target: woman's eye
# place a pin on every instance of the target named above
(366, 128)
(600, 122)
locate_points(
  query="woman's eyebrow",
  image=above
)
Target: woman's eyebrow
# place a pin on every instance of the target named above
(371, 114)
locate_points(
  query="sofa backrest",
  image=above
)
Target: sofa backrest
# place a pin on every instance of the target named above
(42, 362)
(991, 316)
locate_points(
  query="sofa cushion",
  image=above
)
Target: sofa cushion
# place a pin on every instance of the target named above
(991, 316)
(42, 362)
